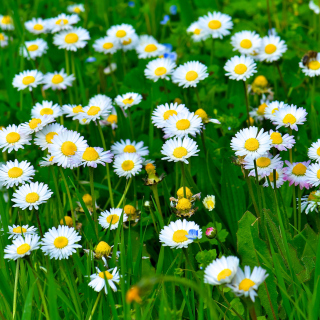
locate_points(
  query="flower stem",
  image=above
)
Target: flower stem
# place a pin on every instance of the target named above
(198, 97)
(95, 305)
(183, 179)
(299, 209)
(91, 175)
(55, 181)
(39, 224)
(282, 81)
(247, 101)
(251, 193)
(21, 100)
(125, 192)
(154, 189)
(15, 290)
(67, 62)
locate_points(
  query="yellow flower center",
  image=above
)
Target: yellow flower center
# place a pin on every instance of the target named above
(33, 124)
(51, 158)
(191, 76)
(23, 249)
(126, 42)
(33, 47)
(129, 209)
(68, 221)
(93, 111)
(28, 80)
(103, 248)
(60, 242)
(184, 204)
(68, 148)
(6, 20)
(46, 111)
(160, 71)
(180, 193)
(62, 21)
(183, 124)
(214, 24)
(274, 110)
(106, 274)
(77, 10)
(318, 151)
(150, 48)
(15, 172)
(246, 44)
(19, 230)
(197, 31)
(180, 152)
(38, 27)
(90, 154)
(312, 196)
(57, 78)
(271, 177)
(121, 34)
(261, 81)
(127, 165)
(13, 137)
(87, 199)
(210, 204)
(276, 138)
(223, 274)
(252, 144)
(32, 197)
(314, 65)
(180, 236)
(129, 149)
(107, 45)
(240, 68)
(263, 162)
(150, 168)
(77, 109)
(270, 48)
(289, 118)
(49, 136)
(1, 37)
(299, 169)
(261, 109)
(202, 114)
(71, 38)
(246, 284)
(128, 101)
(112, 118)
(113, 219)
(318, 174)
(169, 113)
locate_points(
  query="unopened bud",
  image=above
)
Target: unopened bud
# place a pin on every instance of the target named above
(211, 233)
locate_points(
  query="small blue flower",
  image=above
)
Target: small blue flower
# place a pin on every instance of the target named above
(173, 9)
(170, 55)
(131, 4)
(168, 46)
(91, 59)
(166, 18)
(192, 234)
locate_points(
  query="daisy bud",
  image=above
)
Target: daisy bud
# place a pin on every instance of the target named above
(67, 221)
(102, 249)
(133, 294)
(211, 233)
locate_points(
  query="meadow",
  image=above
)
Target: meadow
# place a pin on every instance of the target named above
(160, 159)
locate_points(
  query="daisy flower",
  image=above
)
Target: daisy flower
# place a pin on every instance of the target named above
(315, 8)
(110, 219)
(6, 23)
(100, 279)
(178, 149)
(296, 173)
(57, 80)
(31, 195)
(128, 100)
(121, 32)
(279, 179)
(72, 39)
(127, 165)
(64, 146)
(36, 124)
(91, 157)
(46, 161)
(36, 25)
(310, 202)
(164, 111)
(76, 8)
(33, 49)
(216, 24)
(272, 48)
(290, 116)
(128, 146)
(258, 113)
(314, 151)
(46, 108)
(198, 34)
(281, 142)
(272, 107)
(148, 47)
(21, 247)
(12, 138)
(205, 118)
(63, 22)
(209, 202)
(265, 164)
(159, 68)
(106, 45)
(246, 42)
(3, 40)
(250, 142)
(221, 270)
(175, 235)
(27, 79)
(71, 110)
(312, 68)
(247, 283)
(44, 137)
(60, 243)
(312, 174)
(110, 120)
(16, 231)
(240, 68)
(189, 74)
(100, 97)
(14, 173)
(182, 124)
(129, 44)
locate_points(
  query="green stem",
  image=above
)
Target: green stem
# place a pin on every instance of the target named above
(125, 192)
(131, 123)
(299, 209)
(95, 217)
(39, 224)
(21, 100)
(198, 97)
(15, 290)
(247, 101)
(257, 182)
(55, 181)
(95, 306)
(183, 179)
(282, 81)
(228, 303)
(203, 139)
(154, 189)
(212, 51)
(67, 62)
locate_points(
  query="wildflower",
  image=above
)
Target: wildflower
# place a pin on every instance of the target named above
(16, 231)
(131, 147)
(311, 202)
(3, 40)
(246, 42)
(279, 179)
(281, 142)
(272, 48)
(260, 86)
(102, 250)
(57, 80)
(133, 294)
(211, 233)
(258, 113)
(173, 9)
(110, 120)
(128, 100)
(76, 8)
(131, 212)
(22, 247)
(265, 164)
(63, 22)
(129, 44)
(240, 68)
(131, 4)
(33, 49)
(27, 79)
(36, 124)
(159, 68)
(165, 19)
(204, 117)
(121, 32)
(312, 69)
(148, 47)
(198, 34)
(91, 60)
(46, 108)
(110, 219)
(100, 279)
(296, 173)
(87, 199)
(36, 25)
(72, 39)
(6, 23)
(209, 202)
(127, 165)
(290, 116)
(314, 151)
(106, 45)
(46, 161)
(91, 157)
(312, 174)
(13, 138)
(71, 110)
(67, 221)
(272, 108)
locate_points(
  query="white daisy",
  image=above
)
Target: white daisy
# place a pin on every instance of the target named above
(314, 7)
(250, 142)
(290, 116)
(279, 179)
(6, 23)
(175, 235)
(100, 97)
(76, 8)
(310, 202)
(247, 283)
(72, 39)
(36, 124)
(100, 279)
(189, 74)
(128, 146)
(160, 68)
(46, 108)
(106, 45)
(91, 157)
(221, 270)
(21, 247)
(127, 100)
(198, 34)
(57, 80)
(63, 22)
(281, 142)
(313, 174)
(71, 110)
(121, 32)
(3, 40)
(36, 25)
(33, 49)
(296, 173)
(16, 231)
(314, 151)
(127, 165)
(27, 79)
(60, 243)
(130, 43)
(312, 68)
(110, 120)
(47, 161)
(31, 195)
(246, 42)
(209, 202)
(182, 124)
(164, 111)
(110, 219)
(111, 68)
(240, 68)
(178, 149)
(269, 112)
(12, 138)
(217, 24)
(44, 137)
(64, 146)
(14, 173)
(258, 113)
(149, 47)
(272, 48)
